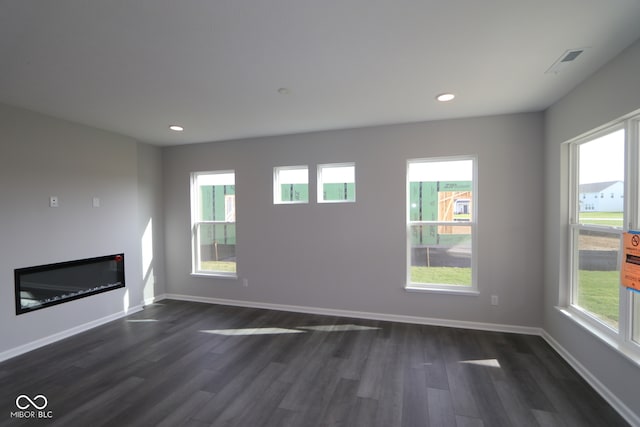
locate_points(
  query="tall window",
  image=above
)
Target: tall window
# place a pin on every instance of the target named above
(291, 185)
(337, 183)
(596, 230)
(441, 214)
(213, 211)
(606, 162)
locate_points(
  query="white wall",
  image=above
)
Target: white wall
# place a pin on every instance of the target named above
(150, 221)
(352, 256)
(612, 92)
(42, 157)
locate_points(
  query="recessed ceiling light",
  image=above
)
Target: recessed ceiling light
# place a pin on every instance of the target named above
(176, 128)
(284, 91)
(444, 97)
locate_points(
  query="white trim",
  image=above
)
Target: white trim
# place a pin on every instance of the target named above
(473, 225)
(320, 182)
(621, 338)
(277, 190)
(493, 327)
(215, 274)
(622, 409)
(17, 351)
(195, 208)
(151, 300)
(441, 289)
(600, 332)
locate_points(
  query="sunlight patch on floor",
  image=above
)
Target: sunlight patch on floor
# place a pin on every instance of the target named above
(298, 330)
(491, 363)
(339, 328)
(252, 331)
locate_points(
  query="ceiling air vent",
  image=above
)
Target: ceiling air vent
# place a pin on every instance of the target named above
(566, 58)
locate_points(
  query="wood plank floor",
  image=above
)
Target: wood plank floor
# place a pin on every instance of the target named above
(190, 364)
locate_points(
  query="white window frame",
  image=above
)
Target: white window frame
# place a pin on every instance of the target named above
(473, 224)
(320, 183)
(277, 188)
(196, 222)
(621, 339)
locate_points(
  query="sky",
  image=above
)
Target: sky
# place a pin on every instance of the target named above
(602, 159)
(452, 170)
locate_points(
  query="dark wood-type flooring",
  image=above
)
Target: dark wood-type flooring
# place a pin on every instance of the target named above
(190, 364)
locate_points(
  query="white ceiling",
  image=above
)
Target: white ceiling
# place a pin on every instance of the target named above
(215, 66)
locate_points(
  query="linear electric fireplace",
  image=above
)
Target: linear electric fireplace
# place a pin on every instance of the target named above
(46, 285)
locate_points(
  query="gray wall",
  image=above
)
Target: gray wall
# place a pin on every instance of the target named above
(352, 256)
(611, 93)
(42, 157)
(150, 215)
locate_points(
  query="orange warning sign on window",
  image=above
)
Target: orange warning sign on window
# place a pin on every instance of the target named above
(630, 270)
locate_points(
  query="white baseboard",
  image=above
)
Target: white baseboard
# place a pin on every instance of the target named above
(155, 298)
(17, 351)
(494, 327)
(624, 411)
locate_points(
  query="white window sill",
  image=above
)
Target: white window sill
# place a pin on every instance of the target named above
(292, 203)
(216, 275)
(624, 350)
(328, 202)
(450, 290)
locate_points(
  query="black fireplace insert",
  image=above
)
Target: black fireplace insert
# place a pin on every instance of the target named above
(46, 285)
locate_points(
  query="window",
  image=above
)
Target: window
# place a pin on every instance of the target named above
(599, 162)
(337, 183)
(606, 161)
(441, 217)
(291, 185)
(213, 211)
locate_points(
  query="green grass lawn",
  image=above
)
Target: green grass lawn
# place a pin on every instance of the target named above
(461, 217)
(441, 275)
(613, 219)
(598, 293)
(226, 266)
(597, 290)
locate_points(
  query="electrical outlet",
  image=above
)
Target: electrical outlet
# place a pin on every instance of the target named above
(245, 282)
(96, 202)
(53, 202)
(494, 299)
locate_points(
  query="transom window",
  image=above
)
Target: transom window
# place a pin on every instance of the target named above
(441, 218)
(337, 183)
(291, 185)
(213, 211)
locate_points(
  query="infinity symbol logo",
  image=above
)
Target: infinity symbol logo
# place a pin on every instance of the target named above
(31, 402)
